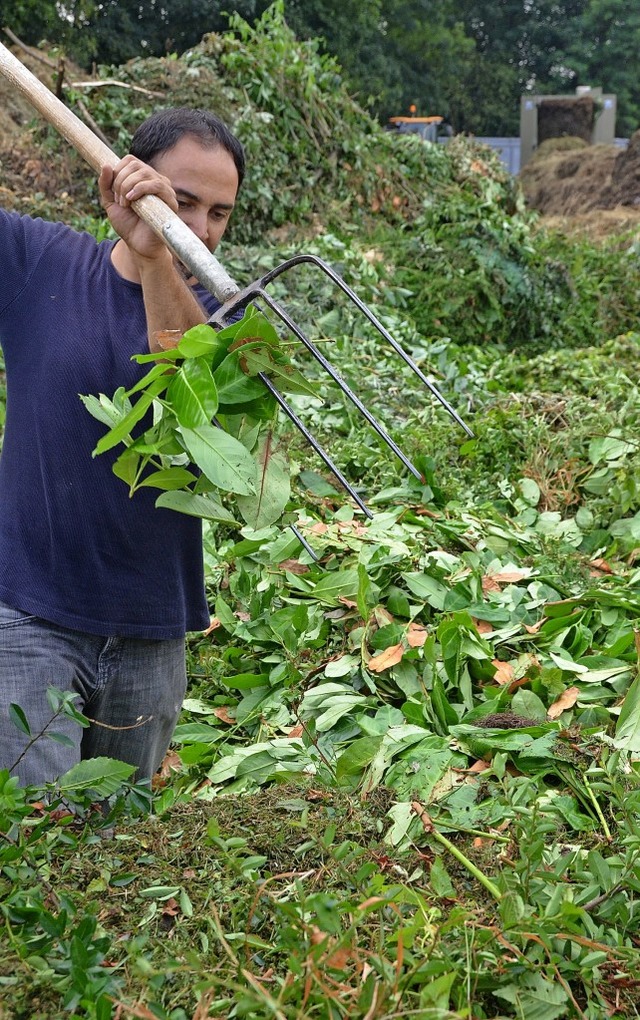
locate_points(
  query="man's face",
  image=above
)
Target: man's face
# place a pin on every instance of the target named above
(205, 181)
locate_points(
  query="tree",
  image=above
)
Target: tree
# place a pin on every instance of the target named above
(394, 52)
(604, 52)
(122, 29)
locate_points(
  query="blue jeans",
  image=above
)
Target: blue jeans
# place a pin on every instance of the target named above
(132, 690)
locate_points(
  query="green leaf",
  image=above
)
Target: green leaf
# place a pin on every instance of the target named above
(103, 776)
(627, 735)
(204, 341)
(317, 484)
(357, 756)
(196, 506)
(365, 598)
(234, 386)
(152, 374)
(440, 880)
(534, 997)
(277, 366)
(224, 460)
(255, 324)
(19, 719)
(137, 412)
(337, 584)
(109, 412)
(127, 466)
(169, 478)
(272, 484)
(192, 394)
(608, 448)
(160, 892)
(427, 589)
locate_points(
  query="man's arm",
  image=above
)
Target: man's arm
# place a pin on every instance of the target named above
(142, 256)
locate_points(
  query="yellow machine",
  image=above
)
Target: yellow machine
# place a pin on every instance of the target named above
(430, 129)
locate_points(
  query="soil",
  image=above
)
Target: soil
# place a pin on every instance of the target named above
(596, 186)
(568, 117)
(33, 177)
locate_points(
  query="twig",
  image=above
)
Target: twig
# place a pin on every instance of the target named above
(102, 82)
(314, 741)
(92, 123)
(218, 925)
(597, 900)
(28, 49)
(140, 721)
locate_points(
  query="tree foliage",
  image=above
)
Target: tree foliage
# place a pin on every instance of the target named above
(470, 60)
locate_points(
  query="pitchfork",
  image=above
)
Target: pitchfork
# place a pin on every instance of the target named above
(205, 267)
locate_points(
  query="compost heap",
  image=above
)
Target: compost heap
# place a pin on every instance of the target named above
(569, 178)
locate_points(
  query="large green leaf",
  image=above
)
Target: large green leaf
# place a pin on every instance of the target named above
(234, 385)
(192, 394)
(196, 506)
(337, 584)
(102, 776)
(277, 366)
(203, 340)
(224, 460)
(273, 487)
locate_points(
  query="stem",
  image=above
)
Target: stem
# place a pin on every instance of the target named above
(34, 739)
(453, 850)
(597, 809)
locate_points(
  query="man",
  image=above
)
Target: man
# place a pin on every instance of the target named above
(98, 590)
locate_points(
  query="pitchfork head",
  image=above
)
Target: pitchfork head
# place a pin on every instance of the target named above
(257, 292)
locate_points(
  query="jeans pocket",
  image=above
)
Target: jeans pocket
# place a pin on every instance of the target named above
(10, 617)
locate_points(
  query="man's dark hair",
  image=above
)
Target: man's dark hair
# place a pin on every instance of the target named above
(162, 130)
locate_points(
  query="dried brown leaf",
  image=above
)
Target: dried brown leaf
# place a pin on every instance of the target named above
(504, 672)
(601, 566)
(416, 635)
(535, 628)
(384, 660)
(483, 626)
(566, 700)
(223, 714)
(294, 566)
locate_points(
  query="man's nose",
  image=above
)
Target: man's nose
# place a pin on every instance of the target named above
(199, 223)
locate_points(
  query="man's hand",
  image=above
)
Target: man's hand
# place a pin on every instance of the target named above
(119, 187)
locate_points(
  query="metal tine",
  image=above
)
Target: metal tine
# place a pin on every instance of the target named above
(257, 288)
(303, 542)
(313, 442)
(344, 386)
(258, 291)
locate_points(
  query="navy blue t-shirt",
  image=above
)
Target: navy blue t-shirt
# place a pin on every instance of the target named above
(74, 548)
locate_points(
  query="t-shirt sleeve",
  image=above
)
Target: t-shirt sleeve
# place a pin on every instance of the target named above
(22, 243)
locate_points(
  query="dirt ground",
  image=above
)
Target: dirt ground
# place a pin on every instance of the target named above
(593, 188)
(30, 172)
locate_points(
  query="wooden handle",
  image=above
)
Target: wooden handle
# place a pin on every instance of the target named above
(182, 242)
